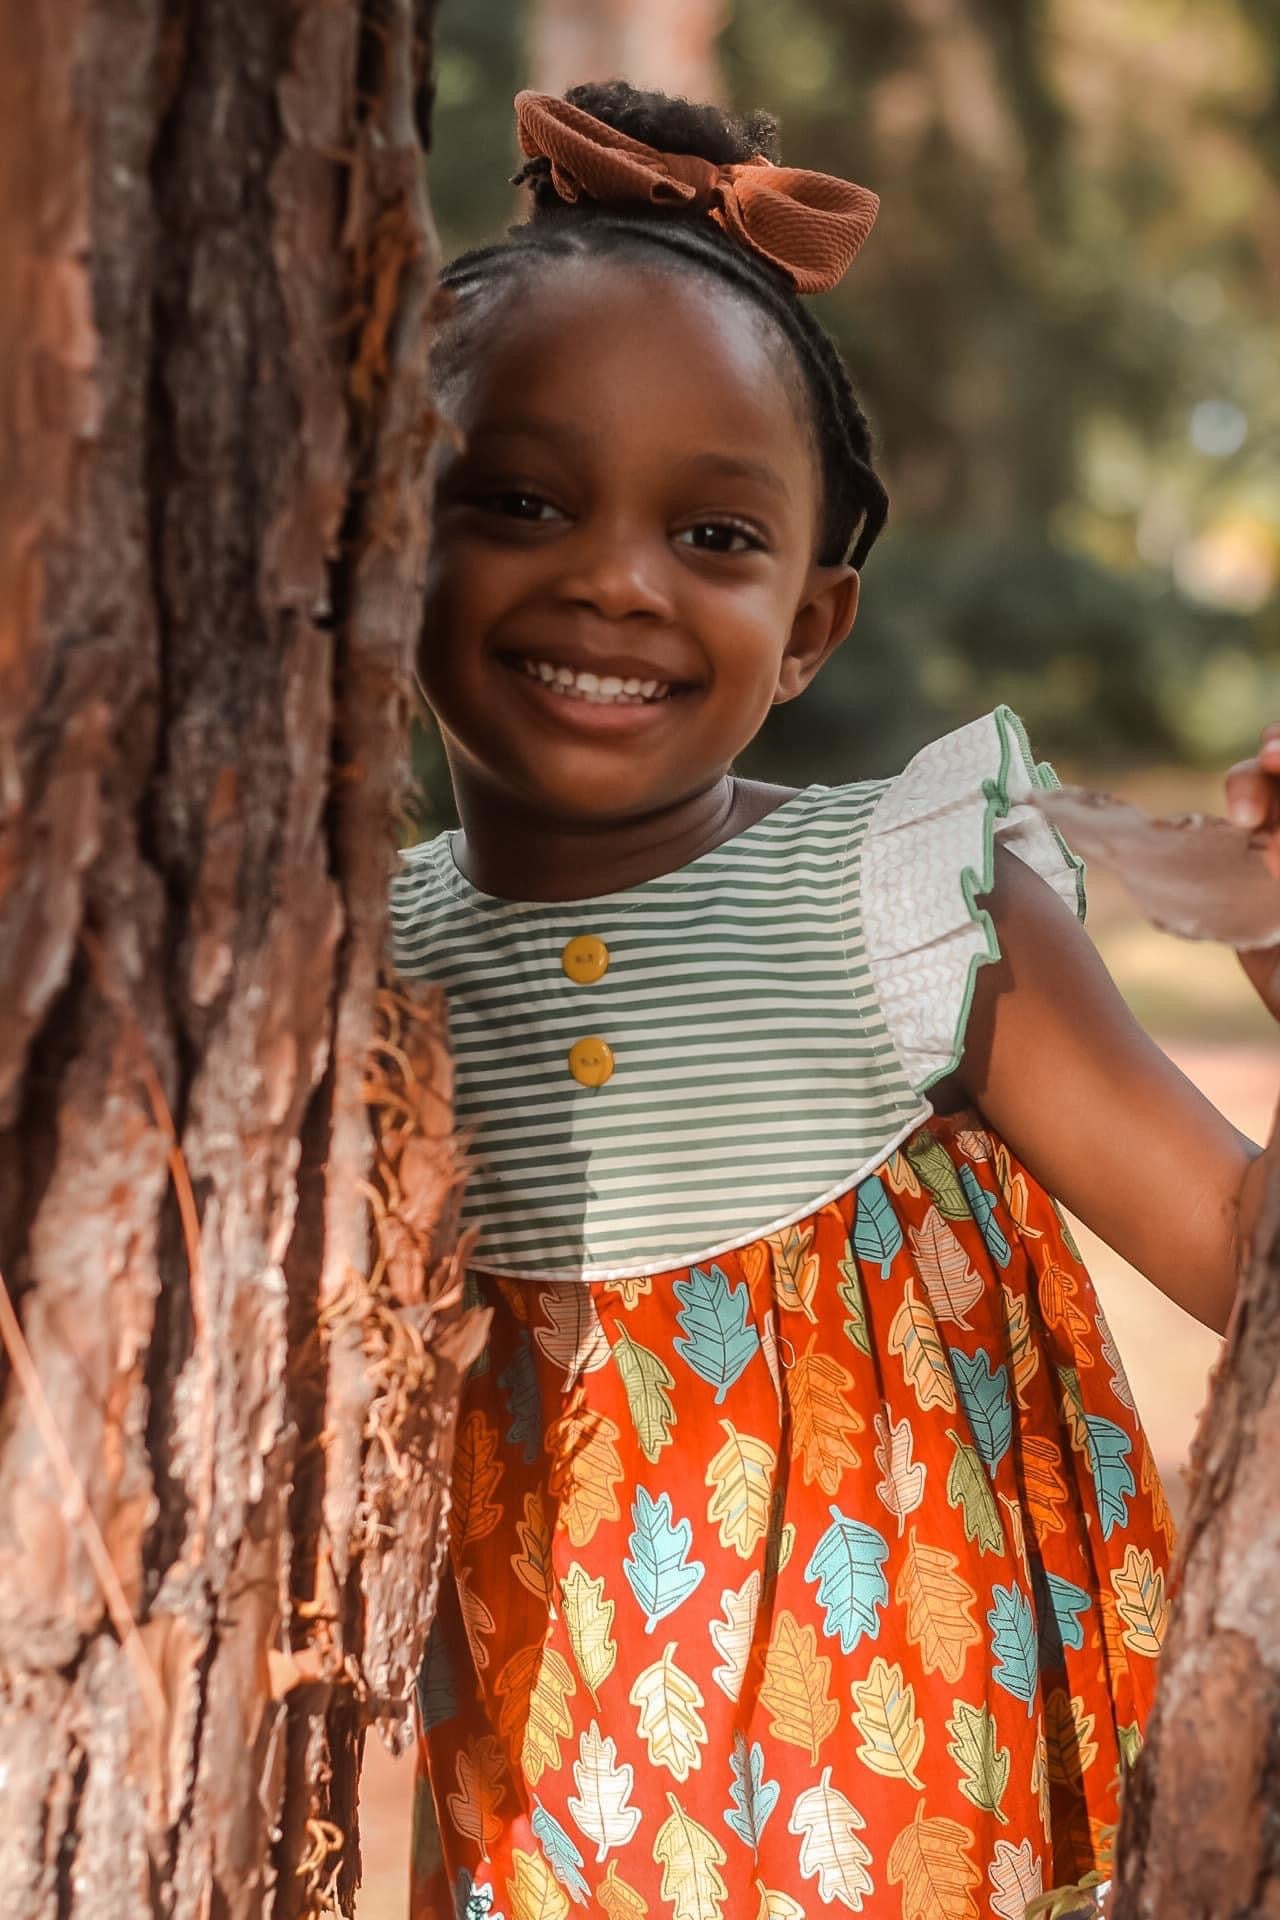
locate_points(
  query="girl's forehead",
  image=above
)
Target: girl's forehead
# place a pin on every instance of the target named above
(585, 335)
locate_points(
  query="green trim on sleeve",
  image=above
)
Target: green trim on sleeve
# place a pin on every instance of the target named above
(1013, 737)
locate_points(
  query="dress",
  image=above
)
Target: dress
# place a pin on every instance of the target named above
(826, 1570)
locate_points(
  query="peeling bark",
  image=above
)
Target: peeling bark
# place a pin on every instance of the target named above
(1200, 1832)
(212, 531)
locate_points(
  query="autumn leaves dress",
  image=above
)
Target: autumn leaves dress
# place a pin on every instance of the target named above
(806, 1552)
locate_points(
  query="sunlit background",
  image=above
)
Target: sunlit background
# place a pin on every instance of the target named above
(1064, 332)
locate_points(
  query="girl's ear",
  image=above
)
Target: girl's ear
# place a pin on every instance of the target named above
(823, 619)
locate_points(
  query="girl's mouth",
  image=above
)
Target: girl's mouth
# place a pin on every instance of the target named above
(597, 689)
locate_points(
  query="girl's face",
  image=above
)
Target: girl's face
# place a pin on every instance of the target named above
(622, 578)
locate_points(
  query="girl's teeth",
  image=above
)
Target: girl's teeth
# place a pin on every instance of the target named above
(602, 689)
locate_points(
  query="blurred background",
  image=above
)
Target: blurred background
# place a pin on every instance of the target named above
(1064, 333)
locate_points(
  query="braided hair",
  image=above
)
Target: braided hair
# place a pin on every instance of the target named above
(855, 504)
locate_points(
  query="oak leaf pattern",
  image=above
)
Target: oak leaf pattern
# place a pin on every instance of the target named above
(892, 1731)
(901, 1485)
(796, 1688)
(938, 1602)
(670, 1724)
(915, 1340)
(740, 1476)
(828, 1825)
(824, 1424)
(588, 1619)
(931, 1860)
(690, 1859)
(599, 1809)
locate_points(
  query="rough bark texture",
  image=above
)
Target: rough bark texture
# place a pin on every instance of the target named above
(212, 531)
(1200, 1832)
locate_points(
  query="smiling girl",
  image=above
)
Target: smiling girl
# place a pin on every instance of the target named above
(806, 1550)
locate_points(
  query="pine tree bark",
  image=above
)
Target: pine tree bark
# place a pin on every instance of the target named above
(226, 1166)
(1200, 1830)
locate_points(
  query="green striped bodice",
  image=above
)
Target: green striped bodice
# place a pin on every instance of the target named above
(762, 1061)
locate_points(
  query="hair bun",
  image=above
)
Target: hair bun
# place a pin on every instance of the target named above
(661, 121)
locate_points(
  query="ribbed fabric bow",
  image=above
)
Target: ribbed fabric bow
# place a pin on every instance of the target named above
(809, 224)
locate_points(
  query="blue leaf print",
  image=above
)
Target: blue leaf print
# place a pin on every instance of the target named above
(659, 1572)
(986, 1401)
(437, 1694)
(1013, 1642)
(982, 1205)
(717, 1341)
(519, 1383)
(877, 1234)
(847, 1564)
(1109, 1451)
(563, 1857)
(1068, 1603)
(754, 1798)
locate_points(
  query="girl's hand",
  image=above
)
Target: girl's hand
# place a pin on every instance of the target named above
(1253, 800)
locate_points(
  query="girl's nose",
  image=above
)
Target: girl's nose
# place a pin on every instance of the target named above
(619, 579)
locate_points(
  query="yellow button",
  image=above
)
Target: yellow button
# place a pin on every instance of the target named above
(591, 1061)
(585, 960)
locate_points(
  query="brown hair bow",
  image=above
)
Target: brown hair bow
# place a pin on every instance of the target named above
(808, 224)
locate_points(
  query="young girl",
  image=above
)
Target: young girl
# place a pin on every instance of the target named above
(806, 1550)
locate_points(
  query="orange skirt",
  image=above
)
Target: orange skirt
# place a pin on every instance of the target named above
(830, 1574)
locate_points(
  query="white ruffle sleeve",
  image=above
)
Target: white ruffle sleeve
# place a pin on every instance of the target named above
(929, 854)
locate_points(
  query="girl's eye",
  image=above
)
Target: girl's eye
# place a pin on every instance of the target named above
(721, 536)
(517, 503)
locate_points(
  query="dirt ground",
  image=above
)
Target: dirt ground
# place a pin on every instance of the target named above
(1195, 1001)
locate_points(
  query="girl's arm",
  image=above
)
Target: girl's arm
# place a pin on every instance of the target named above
(1060, 1068)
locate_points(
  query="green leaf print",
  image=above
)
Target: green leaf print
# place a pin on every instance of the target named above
(969, 1492)
(984, 1766)
(1069, 1239)
(1130, 1739)
(647, 1383)
(934, 1170)
(850, 1291)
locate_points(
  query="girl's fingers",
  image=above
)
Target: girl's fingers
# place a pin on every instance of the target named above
(1253, 793)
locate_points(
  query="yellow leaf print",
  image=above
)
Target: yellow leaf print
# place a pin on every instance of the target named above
(974, 1145)
(914, 1336)
(647, 1382)
(1017, 1533)
(1113, 1635)
(892, 1731)
(822, 1421)
(778, 1906)
(585, 1469)
(533, 1565)
(1069, 1742)
(938, 1606)
(1140, 1601)
(480, 1773)
(827, 1826)
(1045, 1488)
(1040, 1782)
(1057, 1288)
(1023, 1351)
(534, 1891)
(769, 1348)
(795, 1269)
(930, 1860)
(1014, 1188)
(588, 1617)
(604, 1786)
(741, 1481)
(473, 1512)
(1153, 1487)
(689, 1857)
(951, 1280)
(670, 1724)
(731, 1636)
(902, 1487)
(796, 1689)
(901, 1176)
(477, 1620)
(630, 1289)
(535, 1687)
(617, 1900)
(571, 1336)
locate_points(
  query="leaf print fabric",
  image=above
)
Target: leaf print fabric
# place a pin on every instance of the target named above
(829, 1576)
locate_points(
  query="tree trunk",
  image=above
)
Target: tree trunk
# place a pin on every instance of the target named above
(227, 1408)
(1200, 1832)
(669, 44)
